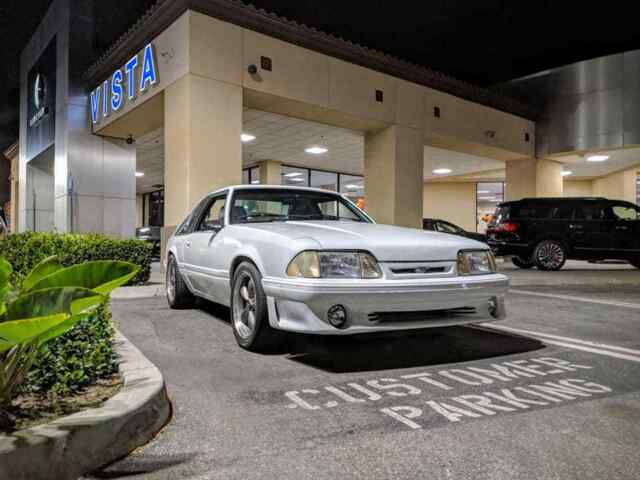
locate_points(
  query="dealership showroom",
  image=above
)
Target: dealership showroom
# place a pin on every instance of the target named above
(197, 96)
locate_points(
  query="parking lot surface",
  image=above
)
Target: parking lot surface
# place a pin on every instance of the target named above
(553, 392)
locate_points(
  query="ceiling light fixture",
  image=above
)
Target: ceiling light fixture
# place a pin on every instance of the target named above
(353, 186)
(254, 182)
(597, 158)
(139, 174)
(483, 191)
(247, 137)
(442, 171)
(292, 174)
(566, 173)
(316, 150)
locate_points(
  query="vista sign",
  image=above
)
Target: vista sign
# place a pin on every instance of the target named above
(109, 97)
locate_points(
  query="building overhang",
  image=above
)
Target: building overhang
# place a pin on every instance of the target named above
(164, 12)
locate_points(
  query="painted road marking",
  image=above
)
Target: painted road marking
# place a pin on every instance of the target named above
(593, 347)
(577, 299)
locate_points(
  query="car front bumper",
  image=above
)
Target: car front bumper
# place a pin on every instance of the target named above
(301, 305)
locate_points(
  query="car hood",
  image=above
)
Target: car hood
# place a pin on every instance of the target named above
(387, 243)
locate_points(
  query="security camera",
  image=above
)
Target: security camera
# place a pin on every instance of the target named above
(252, 69)
(130, 140)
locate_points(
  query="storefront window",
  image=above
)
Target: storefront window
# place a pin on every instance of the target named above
(295, 176)
(324, 180)
(153, 209)
(352, 186)
(251, 176)
(488, 196)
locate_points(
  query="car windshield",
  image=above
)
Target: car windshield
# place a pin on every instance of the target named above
(281, 205)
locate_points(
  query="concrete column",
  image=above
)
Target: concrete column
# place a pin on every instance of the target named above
(533, 177)
(270, 172)
(203, 123)
(617, 186)
(393, 175)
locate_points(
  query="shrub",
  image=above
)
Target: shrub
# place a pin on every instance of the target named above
(25, 250)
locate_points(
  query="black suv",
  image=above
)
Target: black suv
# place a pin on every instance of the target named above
(545, 232)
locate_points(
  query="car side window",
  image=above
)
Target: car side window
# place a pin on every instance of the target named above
(534, 211)
(213, 217)
(625, 212)
(562, 212)
(589, 212)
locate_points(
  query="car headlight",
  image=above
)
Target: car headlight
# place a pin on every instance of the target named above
(327, 264)
(476, 262)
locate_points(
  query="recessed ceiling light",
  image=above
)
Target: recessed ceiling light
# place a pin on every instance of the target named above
(597, 158)
(316, 150)
(353, 186)
(442, 171)
(566, 173)
(247, 137)
(484, 191)
(139, 174)
(293, 174)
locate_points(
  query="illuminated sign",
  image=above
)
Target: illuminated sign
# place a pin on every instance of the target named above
(39, 99)
(135, 77)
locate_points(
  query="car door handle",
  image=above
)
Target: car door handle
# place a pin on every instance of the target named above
(187, 244)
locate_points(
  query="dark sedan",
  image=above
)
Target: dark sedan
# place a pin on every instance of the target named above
(443, 226)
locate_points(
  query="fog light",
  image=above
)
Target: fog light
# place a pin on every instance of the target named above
(337, 316)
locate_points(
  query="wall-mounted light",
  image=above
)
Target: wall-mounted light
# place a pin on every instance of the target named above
(247, 137)
(441, 171)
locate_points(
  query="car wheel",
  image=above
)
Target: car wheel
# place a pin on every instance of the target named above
(549, 255)
(522, 263)
(178, 294)
(635, 262)
(249, 316)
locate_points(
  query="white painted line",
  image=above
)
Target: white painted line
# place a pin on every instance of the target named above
(576, 344)
(577, 299)
(568, 339)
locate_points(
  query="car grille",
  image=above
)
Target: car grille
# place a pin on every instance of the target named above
(421, 315)
(418, 270)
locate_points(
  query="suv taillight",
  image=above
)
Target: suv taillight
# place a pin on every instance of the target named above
(508, 227)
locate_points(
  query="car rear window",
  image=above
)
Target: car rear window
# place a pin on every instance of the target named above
(502, 214)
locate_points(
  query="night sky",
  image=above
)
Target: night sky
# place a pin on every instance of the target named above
(480, 41)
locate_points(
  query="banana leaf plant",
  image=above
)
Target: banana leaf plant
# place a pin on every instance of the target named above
(49, 302)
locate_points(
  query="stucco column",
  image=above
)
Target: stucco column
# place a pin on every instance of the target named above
(393, 175)
(270, 172)
(533, 177)
(617, 186)
(203, 123)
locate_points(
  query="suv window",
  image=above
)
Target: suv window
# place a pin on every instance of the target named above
(534, 211)
(213, 217)
(589, 212)
(625, 212)
(563, 212)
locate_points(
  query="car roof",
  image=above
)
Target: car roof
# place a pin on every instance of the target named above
(270, 187)
(553, 200)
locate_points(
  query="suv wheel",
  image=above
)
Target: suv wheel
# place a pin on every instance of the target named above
(178, 294)
(249, 317)
(549, 255)
(522, 263)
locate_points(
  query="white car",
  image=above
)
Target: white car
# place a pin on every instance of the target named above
(309, 261)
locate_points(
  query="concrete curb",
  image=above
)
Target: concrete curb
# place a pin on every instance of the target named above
(71, 446)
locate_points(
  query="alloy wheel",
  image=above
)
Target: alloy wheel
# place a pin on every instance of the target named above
(171, 281)
(244, 306)
(550, 255)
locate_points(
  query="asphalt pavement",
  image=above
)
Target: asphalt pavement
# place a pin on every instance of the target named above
(553, 392)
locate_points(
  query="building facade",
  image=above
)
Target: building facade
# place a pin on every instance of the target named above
(200, 95)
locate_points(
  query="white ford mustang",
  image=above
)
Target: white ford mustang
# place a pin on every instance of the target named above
(307, 260)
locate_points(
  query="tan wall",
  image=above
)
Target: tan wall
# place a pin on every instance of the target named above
(617, 186)
(451, 201)
(393, 172)
(533, 178)
(577, 188)
(270, 172)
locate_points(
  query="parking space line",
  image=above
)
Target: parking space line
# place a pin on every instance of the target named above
(577, 344)
(577, 299)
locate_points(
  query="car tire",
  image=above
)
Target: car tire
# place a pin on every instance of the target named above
(549, 255)
(249, 314)
(178, 295)
(635, 262)
(522, 263)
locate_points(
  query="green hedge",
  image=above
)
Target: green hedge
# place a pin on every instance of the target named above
(25, 250)
(85, 353)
